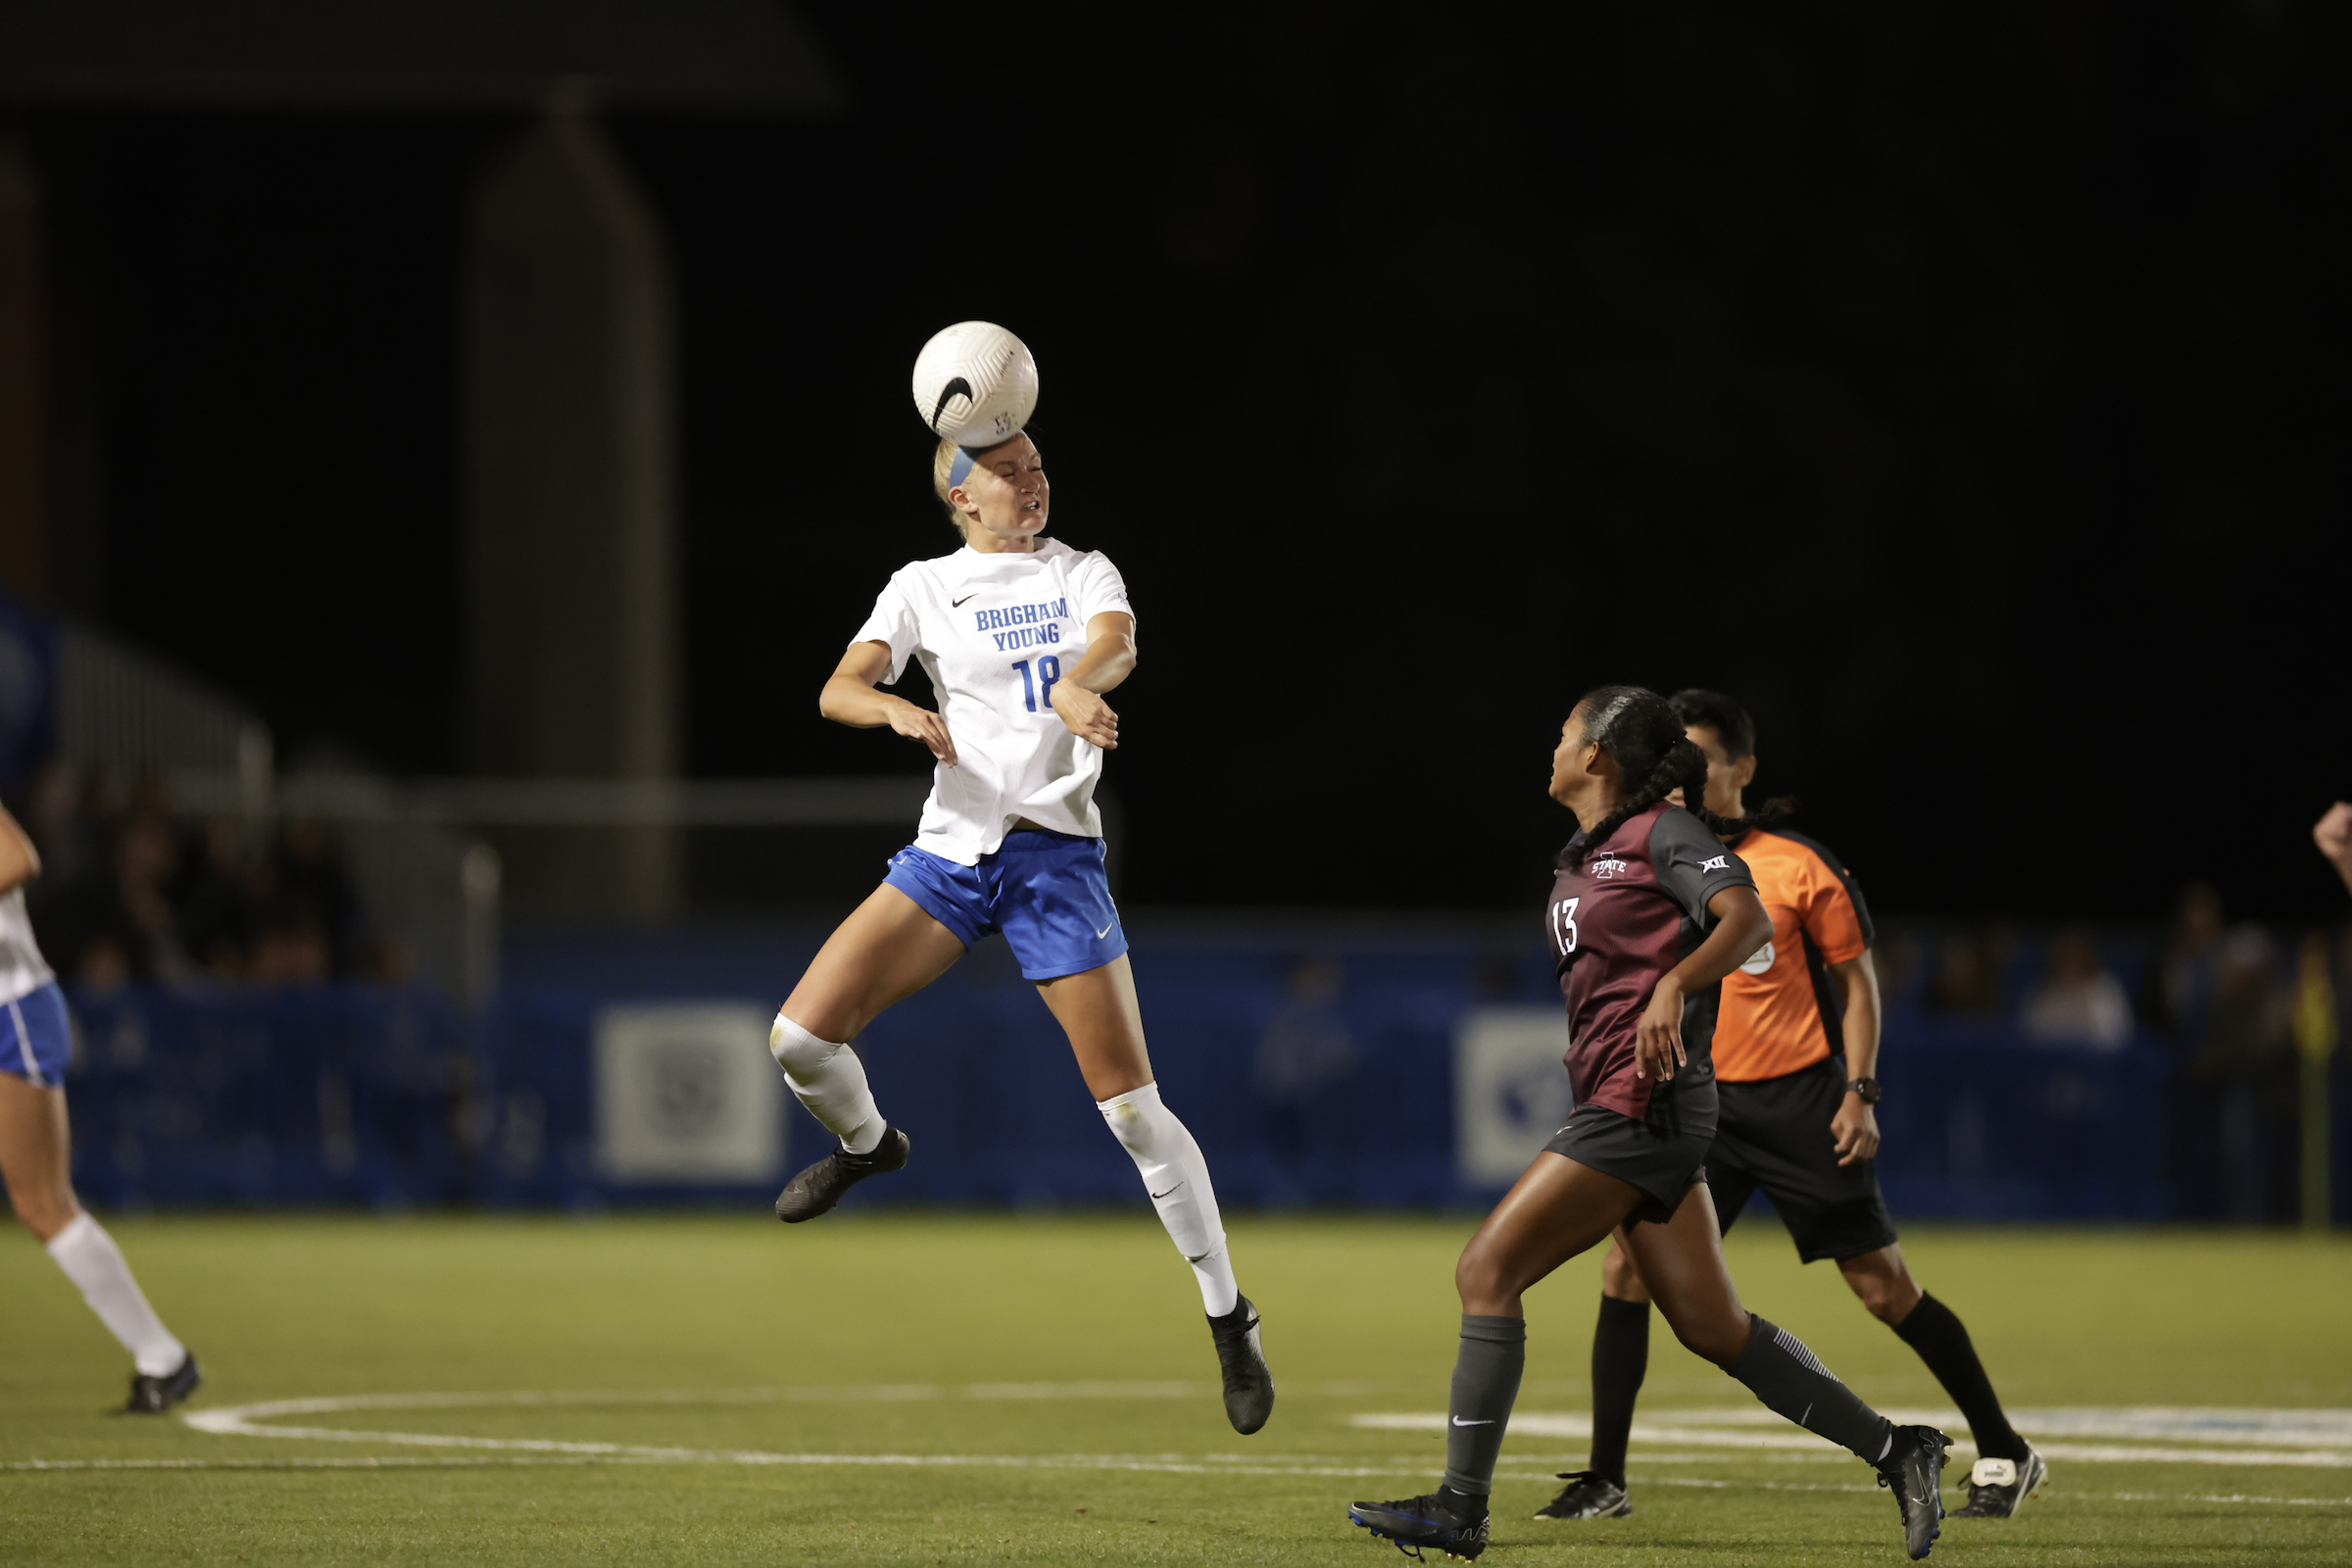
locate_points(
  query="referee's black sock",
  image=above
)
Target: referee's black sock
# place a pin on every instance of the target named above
(1936, 1333)
(1781, 1371)
(1619, 1360)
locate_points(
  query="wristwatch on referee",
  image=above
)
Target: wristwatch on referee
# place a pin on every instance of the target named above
(1867, 1088)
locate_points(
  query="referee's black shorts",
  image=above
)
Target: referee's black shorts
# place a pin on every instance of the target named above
(1774, 1135)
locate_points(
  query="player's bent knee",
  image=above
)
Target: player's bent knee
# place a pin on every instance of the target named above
(1620, 1279)
(1481, 1280)
(800, 1050)
(1884, 1287)
(1716, 1338)
(44, 1211)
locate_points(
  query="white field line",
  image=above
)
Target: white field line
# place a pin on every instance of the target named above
(1416, 1467)
(841, 1393)
(2243, 1432)
(2245, 1429)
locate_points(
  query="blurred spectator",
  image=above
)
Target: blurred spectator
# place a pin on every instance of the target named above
(316, 902)
(2078, 1001)
(1306, 1048)
(146, 859)
(129, 896)
(2245, 1067)
(1307, 1045)
(1967, 975)
(2333, 835)
(220, 905)
(2183, 978)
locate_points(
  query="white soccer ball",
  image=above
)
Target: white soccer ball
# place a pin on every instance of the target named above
(975, 384)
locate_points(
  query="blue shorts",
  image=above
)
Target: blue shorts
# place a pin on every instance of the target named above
(36, 1038)
(1046, 890)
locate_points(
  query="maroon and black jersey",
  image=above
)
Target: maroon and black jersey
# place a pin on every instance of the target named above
(1636, 908)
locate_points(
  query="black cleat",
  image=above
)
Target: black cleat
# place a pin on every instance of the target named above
(1453, 1522)
(1914, 1469)
(818, 1188)
(1998, 1488)
(1589, 1495)
(1248, 1381)
(154, 1395)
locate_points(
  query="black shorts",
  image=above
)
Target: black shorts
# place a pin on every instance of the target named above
(1774, 1135)
(1664, 1161)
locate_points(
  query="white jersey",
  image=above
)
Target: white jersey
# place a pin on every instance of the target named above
(23, 971)
(995, 633)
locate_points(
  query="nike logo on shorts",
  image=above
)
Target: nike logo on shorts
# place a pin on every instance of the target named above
(1106, 931)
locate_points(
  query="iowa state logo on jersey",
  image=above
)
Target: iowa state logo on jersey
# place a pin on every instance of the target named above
(1604, 868)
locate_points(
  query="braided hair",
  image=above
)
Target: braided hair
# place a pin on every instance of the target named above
(1643, 734)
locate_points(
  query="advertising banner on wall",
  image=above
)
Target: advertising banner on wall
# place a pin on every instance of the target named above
(687, 1093)
(1510, 1090)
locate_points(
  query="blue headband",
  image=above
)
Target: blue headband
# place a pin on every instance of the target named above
(960, 467)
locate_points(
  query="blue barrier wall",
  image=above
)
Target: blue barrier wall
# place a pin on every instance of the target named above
(387, 1098)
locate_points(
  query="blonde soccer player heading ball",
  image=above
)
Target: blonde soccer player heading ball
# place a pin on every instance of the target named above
(1021, 637)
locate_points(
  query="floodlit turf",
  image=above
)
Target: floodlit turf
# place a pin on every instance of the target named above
(728, 1344)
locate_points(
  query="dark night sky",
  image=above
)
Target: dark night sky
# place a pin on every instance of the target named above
(1955, 383)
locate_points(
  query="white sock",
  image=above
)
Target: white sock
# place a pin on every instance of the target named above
(92, 1260)
(830, 1081)
(1177, 1179)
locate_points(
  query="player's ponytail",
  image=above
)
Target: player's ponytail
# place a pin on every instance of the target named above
(1644, 735)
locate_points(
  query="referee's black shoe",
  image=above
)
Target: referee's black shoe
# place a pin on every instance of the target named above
(1453, 1522)
(818, 1188)
(1242, 1358)
(154, 1395)
(1589, 1495)
(1914, 1469)
(1998, 1488)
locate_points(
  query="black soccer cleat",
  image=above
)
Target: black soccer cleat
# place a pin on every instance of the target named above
(1589, 1495)
(1914, 1469)
(818, 1188)
(1248, 1381)
(1448, 1521)
(154, 1395)
(1998, 1488)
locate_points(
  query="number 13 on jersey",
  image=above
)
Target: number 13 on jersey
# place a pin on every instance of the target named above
(1563, 923)
(1040, 687)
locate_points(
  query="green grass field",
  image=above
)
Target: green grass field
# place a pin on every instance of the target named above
(948, 1390)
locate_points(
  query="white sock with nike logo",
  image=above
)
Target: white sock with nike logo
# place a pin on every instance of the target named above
(1177, 1178)
(830, 1081)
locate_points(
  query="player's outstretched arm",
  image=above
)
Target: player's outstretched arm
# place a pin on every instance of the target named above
(19, 861)
(1740, 927)
(849, 698)
(2333, 835)
(1855, 1126)
(1109, 660)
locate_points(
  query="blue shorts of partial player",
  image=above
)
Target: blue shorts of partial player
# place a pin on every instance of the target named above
(36, 1038)
(1048, 891)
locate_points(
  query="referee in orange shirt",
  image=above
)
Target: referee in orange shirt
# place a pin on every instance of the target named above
(1795, 1122)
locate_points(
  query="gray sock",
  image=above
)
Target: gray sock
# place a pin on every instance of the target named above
(1779, 1370)
(1486, 1383)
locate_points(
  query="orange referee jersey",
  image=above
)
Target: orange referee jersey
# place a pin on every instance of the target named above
(1781, 1009)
